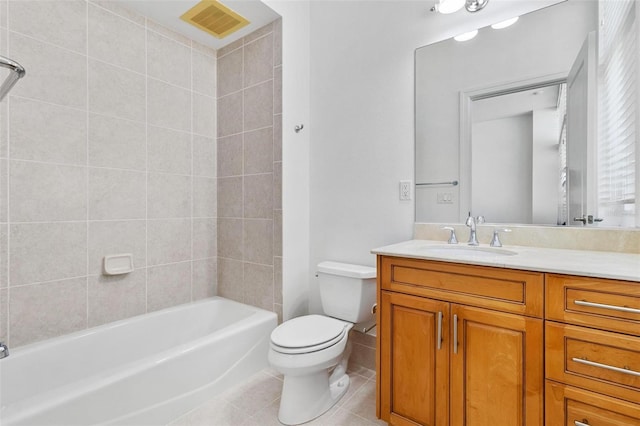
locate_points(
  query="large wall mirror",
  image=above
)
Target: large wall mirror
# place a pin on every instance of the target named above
(536, 123)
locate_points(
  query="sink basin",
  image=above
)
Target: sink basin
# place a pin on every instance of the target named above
(475, 251)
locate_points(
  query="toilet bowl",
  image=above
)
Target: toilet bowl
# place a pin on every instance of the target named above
(312, 351)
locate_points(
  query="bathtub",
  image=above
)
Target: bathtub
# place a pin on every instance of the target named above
(146, 370)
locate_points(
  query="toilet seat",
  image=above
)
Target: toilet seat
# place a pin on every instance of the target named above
(309, 333)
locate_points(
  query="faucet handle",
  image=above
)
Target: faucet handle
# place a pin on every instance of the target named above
(452, 237)
(480, 220)
(495, 241)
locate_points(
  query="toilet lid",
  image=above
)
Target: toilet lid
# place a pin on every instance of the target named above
(308, 333)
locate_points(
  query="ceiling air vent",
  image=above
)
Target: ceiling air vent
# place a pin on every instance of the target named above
(215, 18)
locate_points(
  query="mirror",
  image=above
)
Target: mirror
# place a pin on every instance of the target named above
(495, 118)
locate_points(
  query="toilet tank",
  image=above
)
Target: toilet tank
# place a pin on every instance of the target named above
(348, 292)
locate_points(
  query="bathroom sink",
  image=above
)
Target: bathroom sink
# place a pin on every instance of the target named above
(454, 250)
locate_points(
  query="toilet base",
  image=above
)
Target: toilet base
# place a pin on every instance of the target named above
(306, 397)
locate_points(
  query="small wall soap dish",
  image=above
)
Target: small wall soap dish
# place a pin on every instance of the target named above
(118, 264)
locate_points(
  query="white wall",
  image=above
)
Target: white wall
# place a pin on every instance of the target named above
(546, 156)
(502, 175)
(353, 60)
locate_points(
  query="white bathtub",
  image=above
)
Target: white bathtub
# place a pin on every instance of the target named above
(146, 370)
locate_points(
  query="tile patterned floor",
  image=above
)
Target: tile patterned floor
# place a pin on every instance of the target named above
(256, 402)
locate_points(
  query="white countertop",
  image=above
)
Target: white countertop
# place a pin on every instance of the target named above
(602, 264)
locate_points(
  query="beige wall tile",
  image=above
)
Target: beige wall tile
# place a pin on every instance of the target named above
(116, 92)
(115, 237)
(277, 42)
(116, 40)
(258, 241)
(277, 232)
(62, 22)
(42, 311)
(229, 113)
(169, 196)
(116, 194)
(230, 73)
(117, 143)
(3, 13)
(258, 61)
(205, 201)
(277, 90)
(228, 49)
(168, 241)
(120, 10)
(168, 106)
(169, 33)
(230, 281)
(258, 33)
(112, 298)
(204, 156)
(47, 192)
(230, 199)
(258, 196)
(204, 115)
(258, 285)
(204, 279)
(230, 156)
(168, 60)
(4, 133)
(277, 137)
(58, 135)
(230, 238)
(4, 254)
(277, 185)
(258, 106)
(277, 280)
(204, 72)
(47, 251)
(4, 195)
(4, 316)
(168, 150)
(258, 151)
(205, 245)
(55, 75)
(168, 285)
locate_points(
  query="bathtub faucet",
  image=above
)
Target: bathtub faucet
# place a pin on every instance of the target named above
(4, 350)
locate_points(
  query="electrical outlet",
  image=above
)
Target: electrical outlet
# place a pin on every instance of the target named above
(405, 190)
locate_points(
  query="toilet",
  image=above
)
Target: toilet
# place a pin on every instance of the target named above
(312, 351)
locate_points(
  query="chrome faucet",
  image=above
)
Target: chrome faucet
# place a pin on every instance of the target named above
(471, 223)
(4, 350)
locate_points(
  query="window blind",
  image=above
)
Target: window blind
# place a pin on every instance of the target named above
(618, 53)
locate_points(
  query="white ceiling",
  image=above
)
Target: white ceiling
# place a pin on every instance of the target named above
(168, 12)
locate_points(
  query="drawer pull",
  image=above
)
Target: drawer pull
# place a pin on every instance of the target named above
(581, 423)
(610, 307)
(606, 367)
(455, 334)
(439, 330)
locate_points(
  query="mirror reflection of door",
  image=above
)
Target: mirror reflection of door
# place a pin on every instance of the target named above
(581, 133)
(517, 155)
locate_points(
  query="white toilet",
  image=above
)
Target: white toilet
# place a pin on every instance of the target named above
(312, 351)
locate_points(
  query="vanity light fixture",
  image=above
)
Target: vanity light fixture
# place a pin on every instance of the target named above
(505, 24)
(466, 36)
(451, 6)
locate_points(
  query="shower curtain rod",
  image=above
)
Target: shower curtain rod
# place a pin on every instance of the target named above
(17, 72)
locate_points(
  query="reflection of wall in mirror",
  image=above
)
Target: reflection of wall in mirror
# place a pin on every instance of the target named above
(492, 58)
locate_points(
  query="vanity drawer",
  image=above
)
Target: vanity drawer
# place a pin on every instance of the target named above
(507, 290)
(569, 406)
(598, 360)
(600, 303)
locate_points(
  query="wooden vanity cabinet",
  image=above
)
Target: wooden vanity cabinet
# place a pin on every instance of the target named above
(459, 345)
(592, 347)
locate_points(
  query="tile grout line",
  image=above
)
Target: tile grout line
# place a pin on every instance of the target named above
(87, 197)
(146, 166)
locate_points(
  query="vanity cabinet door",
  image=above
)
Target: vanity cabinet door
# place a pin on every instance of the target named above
(497, 374)
(414, 364)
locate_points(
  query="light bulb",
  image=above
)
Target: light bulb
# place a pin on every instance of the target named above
(449, 6)
(505, 24)
(466, 36)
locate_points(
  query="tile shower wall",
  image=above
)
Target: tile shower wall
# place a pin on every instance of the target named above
(250, 169)
(107, 146)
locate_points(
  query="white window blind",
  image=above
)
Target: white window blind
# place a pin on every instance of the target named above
(618, 102)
